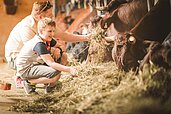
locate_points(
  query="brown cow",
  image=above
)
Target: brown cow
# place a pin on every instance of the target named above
(159, 55)
(126, 16)
(112, 5)
(154, 26)
(125, 51)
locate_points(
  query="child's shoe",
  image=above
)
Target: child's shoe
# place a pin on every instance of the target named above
(18, 82)
(49, 88)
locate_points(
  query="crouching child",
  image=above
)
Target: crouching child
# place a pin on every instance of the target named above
(37, 49)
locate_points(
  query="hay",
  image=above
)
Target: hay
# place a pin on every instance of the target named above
(98, 51)
(103, 89)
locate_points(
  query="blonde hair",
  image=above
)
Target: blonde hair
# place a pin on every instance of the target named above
(43, 23)
(40, 7)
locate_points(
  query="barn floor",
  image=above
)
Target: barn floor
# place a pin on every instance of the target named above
(10, 97)
(7, 22)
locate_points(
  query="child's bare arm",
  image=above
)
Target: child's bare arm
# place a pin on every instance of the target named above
(50, 62)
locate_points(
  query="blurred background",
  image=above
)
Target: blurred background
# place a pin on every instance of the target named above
(12, 11)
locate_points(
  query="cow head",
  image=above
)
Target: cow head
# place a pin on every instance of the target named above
(95, 20)
(159, 55)
(127, 51)
(80, 51)
(107, 20)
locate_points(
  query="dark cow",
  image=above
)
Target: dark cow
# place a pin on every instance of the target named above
(159, 55)
(154, 26)
(80, 51)
(125, 49)
(126, 15)
(112, 5)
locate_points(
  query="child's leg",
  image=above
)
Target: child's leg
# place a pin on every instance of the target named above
(45, 80)
(50, 82)
(40, 71)
(17, 79)
(40, 74)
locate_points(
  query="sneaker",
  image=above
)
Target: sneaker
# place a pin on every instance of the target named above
(29, 88)
(18, 82)
(49, 89)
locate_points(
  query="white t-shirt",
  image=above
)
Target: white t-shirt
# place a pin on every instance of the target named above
(25, 30)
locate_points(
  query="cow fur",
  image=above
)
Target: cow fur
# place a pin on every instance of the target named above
(123, 52)
(158, 54)
(154, 26)
(126, 16)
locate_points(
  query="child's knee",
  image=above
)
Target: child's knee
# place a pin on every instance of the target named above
(55, 78)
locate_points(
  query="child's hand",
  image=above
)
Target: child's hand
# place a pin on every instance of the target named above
(55, 52)
(73, 71)
(89, 37)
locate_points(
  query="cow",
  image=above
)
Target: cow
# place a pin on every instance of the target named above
(159, 55)
(99, 50)
(123, 52)
(88, 52)
(154, 26)
(79, 50)
(125, 14)
(68, 20)
(111, 6)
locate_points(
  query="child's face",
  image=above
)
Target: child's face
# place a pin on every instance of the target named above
(47, 33)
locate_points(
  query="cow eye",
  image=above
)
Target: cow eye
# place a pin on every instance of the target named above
(131, 40)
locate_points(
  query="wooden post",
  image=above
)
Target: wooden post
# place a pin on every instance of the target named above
(68, 9)
(91, 8)
(55, 8)
(79, 4)
(98, 5)
(85, 5)
(105, 2)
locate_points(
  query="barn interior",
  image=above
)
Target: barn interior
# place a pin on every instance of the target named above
(104, 86)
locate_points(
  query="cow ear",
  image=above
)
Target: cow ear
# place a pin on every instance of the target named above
(132, 40)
